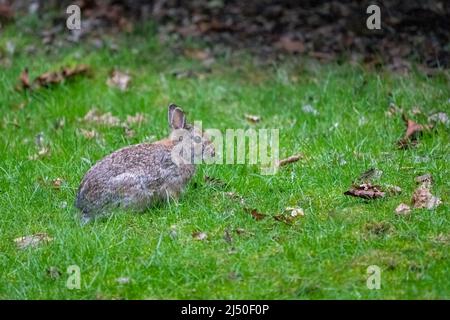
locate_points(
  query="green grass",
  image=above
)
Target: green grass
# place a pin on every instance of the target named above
(324, 254)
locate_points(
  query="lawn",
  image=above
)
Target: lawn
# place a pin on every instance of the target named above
(321, 255)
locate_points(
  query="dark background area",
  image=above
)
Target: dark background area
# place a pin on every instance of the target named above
(327, 30)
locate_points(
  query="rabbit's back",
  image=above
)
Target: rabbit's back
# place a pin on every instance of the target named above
(132, 177)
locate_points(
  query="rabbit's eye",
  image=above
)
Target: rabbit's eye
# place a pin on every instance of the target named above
(180, 138)
(197, 139)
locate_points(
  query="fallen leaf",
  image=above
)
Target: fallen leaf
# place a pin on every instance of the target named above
(426, 180)
(235, 196)
(129, 133)
(32, 240)
(215, 182)
(252, 118)
(256, 215)
(54, 77)
(307, 108)
(403, 209)
(119, 80)
(88, 134)
(295, 212)
(57, 183)
(138, 118)
(393, 110)
(439, 117)
(394, 190)
(199, 236)
(378, 228)
(123, 280)
(54, 273)
(59, 123)
(227, 236)
(43, 152)
(197, 54)
(24, 80)
(290, 159)
(413, 130)
(96, 117)
(290, 45)
(289, 215)
(422, 198)
(365, 191)
(370, 175)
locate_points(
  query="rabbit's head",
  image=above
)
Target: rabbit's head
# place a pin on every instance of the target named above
(193, 142)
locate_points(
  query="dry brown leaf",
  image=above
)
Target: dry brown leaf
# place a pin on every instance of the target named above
(54, 77)
(43, 152)
(235, 196)
(68, 72)
(199, 236)
(215, 182)
(393, 110)
(422, 198)
(123, 280)
(426, 180)
(289, 215)
(403, 209)
(252, 118)
(292, 46)
(227, 236)
(198, 54)
(256, 215)
(138, 118)
(307, 108)
(57, 183)
(32, 240)
(365, 191)
(413, 130)
(24, 80)
(119, 80)
(96, 117)
(54, 273)
(290, 159)
(88, 134)
(439, 117)
(129, 133)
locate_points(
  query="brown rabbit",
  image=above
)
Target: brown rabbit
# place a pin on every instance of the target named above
(138, 176)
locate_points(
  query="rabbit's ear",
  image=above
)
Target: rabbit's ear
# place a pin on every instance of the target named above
(177, 119)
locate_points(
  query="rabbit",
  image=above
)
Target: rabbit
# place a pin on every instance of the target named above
(139, 176)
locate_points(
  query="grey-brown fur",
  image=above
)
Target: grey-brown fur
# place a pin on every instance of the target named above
(138, 176)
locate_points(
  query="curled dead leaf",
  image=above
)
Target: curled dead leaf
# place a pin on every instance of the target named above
(403, 209)
(54, 273)
(123, 280)
(43, 152)
(199, 236)
(290, 45)
(413, 130)
(54, 77)
(289, 215)
(57, 183)
(32, 240)
(290, 159)
(119, 80)
(88, 134)
(252, 118)
(24, 80)
(138, 118)
(422, 198)
(365, 191)
(94, 116)
(255, 214)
